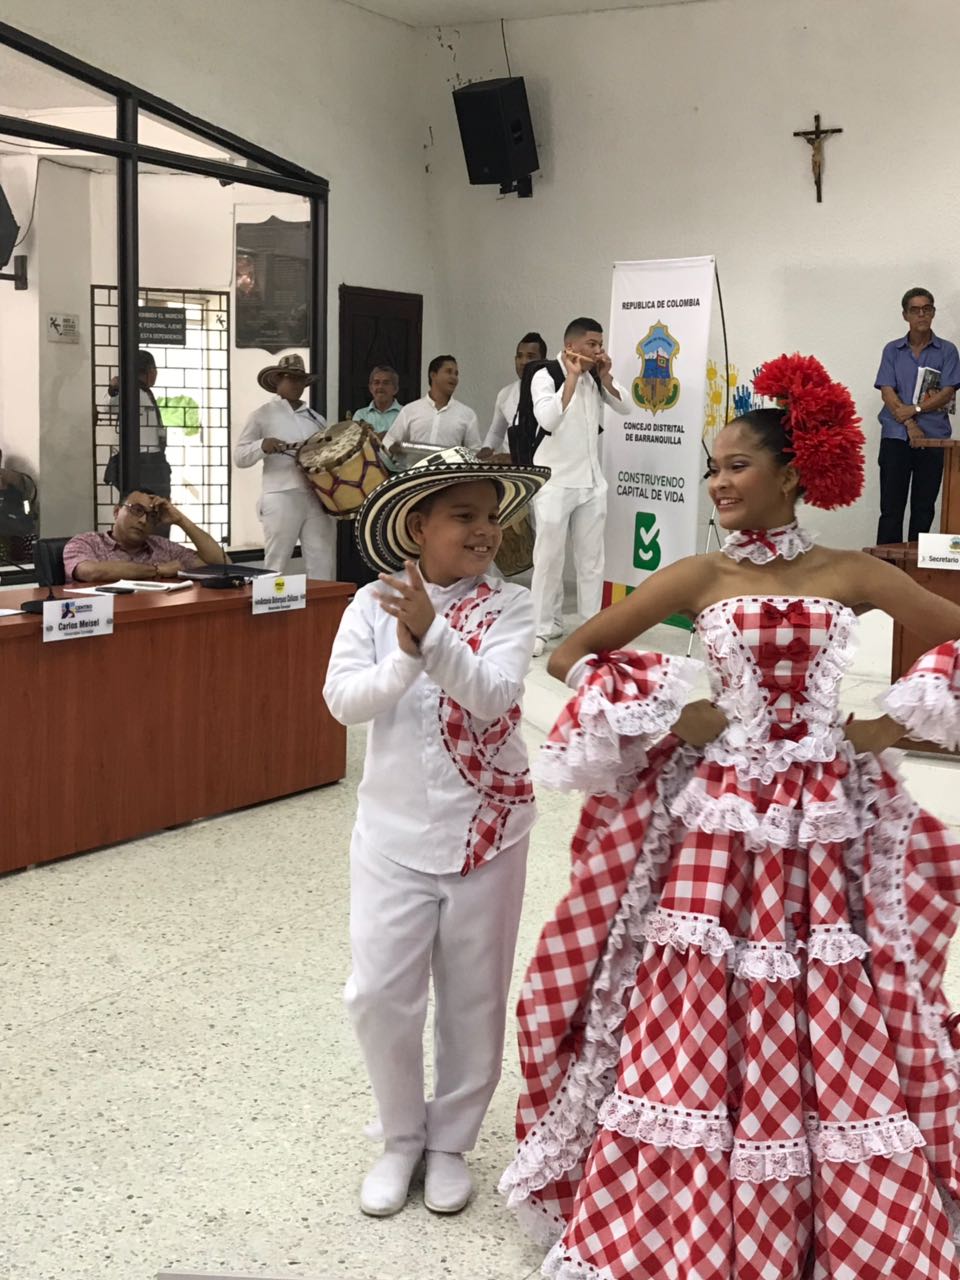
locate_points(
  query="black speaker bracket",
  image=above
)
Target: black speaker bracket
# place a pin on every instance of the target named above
(522, 186)
(19, 273)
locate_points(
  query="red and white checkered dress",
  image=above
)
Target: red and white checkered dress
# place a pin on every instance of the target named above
(737, 1057)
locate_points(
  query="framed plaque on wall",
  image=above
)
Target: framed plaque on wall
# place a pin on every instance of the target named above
(272, 284)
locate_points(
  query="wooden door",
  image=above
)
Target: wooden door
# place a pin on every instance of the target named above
(378, 327)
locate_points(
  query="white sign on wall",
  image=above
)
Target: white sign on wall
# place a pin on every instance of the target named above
(62, 327)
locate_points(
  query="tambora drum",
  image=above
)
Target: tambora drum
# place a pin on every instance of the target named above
(344, 463)
(516, 550)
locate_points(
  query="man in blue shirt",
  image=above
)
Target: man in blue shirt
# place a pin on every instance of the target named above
(381, 412)
(908, 418)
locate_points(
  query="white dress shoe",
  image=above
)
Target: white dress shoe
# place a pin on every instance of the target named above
(538, 646)
(387, 1185)
(448, 1184)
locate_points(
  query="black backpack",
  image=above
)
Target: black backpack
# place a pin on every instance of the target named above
(525, 433)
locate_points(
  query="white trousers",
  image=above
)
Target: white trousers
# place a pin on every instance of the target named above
(291, 516)
(404, 926)
(584, 513)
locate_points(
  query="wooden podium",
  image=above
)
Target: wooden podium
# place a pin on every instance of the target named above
(950, 495)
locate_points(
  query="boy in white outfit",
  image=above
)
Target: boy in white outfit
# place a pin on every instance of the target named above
(435, 658)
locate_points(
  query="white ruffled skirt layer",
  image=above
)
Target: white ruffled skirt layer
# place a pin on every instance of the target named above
(736, 1053)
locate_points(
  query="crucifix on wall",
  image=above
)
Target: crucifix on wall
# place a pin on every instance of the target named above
(815, 137)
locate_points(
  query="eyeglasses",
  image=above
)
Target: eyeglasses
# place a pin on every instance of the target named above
(928, 310)
(136, 509)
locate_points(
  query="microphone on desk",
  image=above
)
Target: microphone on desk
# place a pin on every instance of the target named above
(28, 606)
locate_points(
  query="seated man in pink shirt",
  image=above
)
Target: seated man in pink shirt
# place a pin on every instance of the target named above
(130, 551)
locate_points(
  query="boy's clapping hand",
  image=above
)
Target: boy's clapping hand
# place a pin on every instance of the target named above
(409, 603)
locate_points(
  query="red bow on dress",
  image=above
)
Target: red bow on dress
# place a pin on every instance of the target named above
(788, 733)
(779, 687)
(796, 649)
(757, 538)
(796, 611)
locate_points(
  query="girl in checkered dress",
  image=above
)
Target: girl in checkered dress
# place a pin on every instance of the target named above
(737, 1057)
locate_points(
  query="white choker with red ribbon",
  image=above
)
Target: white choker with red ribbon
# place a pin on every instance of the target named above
(763, 545)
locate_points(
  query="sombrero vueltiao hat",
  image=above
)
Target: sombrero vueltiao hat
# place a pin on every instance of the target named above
(381, 525)
(286, 364)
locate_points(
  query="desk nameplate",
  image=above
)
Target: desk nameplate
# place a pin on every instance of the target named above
(280, 593)
(78, 619)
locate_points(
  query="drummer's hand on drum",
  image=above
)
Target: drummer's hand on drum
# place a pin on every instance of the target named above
(272, 445)
(408, 601)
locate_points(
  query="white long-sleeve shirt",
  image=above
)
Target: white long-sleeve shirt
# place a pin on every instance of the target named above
(412, 804)
(153, 435)
(571, 447)
(277, 418)
(423, 422)
(504, 412)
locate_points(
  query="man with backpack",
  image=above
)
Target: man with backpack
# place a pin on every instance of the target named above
(566, 400)
(530, 349)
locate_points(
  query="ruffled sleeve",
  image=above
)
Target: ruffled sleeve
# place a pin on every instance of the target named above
(926, 701)
(623, 704)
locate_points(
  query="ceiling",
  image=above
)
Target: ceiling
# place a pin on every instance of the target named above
(442, 13)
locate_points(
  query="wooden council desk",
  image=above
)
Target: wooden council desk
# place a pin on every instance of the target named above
(193, 707)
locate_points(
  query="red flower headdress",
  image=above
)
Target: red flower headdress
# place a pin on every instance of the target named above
(820, 418)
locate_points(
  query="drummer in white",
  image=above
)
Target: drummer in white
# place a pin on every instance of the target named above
(288, 509)
(436, 418)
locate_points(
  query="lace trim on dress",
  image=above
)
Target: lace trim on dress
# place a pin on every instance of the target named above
(594, 757)
(680, 931)
(664, 1126)
(779, 827)
(559, 1264)
(885, 883)
(539, 1223)
(760, 546)
(748, 958)
(764, 962)
(835, 944)
(745, 744)
(927, 706)
(863, 1139)
(558, 1141)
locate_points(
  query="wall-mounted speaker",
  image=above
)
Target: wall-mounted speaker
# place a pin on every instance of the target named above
(496, 133)
(8, 230)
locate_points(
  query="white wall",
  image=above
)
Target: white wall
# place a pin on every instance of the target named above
(318, 82)
(19, 328)
(62, 284)
(665, 132)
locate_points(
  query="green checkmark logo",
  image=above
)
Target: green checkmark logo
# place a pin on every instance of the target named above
(646, 542)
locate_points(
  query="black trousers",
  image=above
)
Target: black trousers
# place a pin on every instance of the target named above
(351, 566)
(904, 472)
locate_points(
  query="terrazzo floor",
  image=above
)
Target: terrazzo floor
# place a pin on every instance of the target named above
(179, 1089)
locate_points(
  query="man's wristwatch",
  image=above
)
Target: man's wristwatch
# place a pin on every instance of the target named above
(917, 409)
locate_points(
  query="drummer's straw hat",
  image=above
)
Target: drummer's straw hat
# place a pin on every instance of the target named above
(381, 526)
(286, 364)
